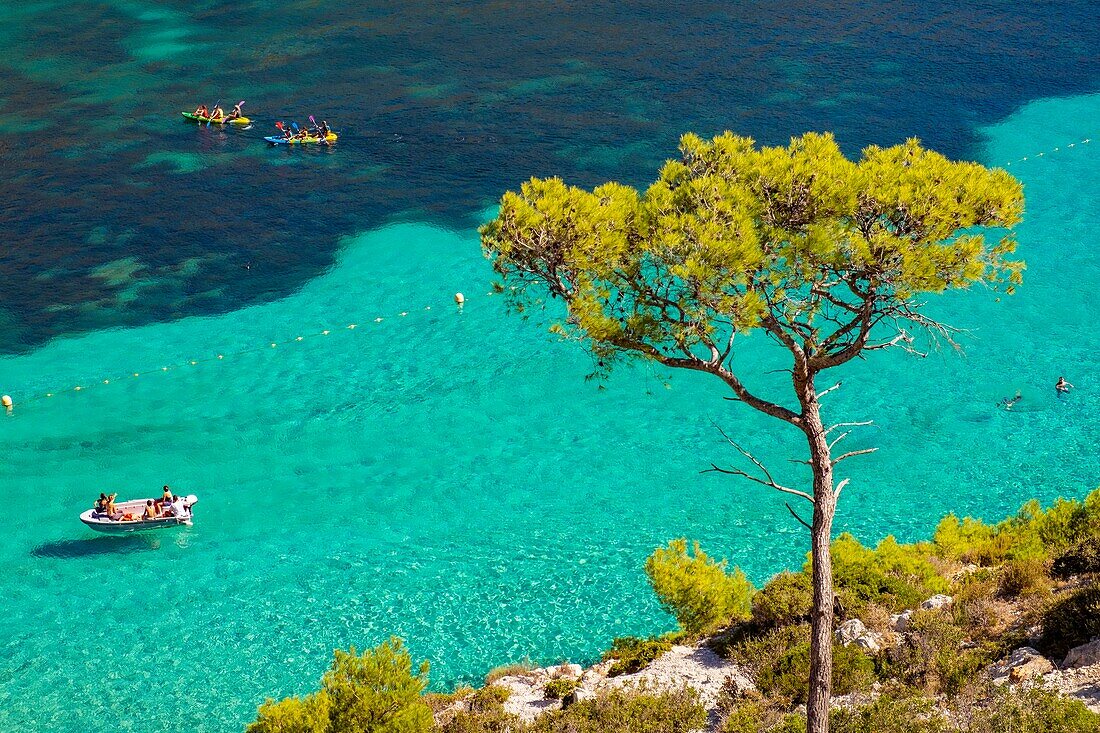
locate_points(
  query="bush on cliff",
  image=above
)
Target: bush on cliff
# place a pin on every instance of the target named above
(785, 600)
(1071, 621)
(893, 576)
(628, 711)
(853, 671)
(307, 714)
(697, 590)
(376, 692)
(1080, 558)
(632, 654)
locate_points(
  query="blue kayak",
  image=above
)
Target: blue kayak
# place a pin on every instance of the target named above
(280, 140)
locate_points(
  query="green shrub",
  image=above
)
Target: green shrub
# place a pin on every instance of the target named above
(1070, 622)
(632, 654)
(376, 692)
(1081, 557)
(1033, 710)
(484, 714)
(697, 590)
(785, 600)
(933, 658)
(560, 688)
(627, 711)
(788, 676)
(760, 652)
(753, 716)
(307, 714)
(974, 609)
(490, 698)
(1034, 533)
(890, 714)
(515, 669)
(893, 576)
(1024, 577)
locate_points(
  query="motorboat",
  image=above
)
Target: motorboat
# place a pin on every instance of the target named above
(128, 517)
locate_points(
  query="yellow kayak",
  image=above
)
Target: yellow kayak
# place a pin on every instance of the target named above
(199, 118)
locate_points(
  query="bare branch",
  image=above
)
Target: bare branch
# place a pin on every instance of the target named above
(833, 427)
(795, 515)
(768, 480)
(839, 438)
(853, 454)
(830, 389)
(839, 488)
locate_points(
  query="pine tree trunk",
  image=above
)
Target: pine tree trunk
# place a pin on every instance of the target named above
(821, 621)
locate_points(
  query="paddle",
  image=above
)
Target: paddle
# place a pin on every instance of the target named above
(210, 114)
(280, 127)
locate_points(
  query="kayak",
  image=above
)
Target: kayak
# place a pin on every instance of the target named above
(199, 118)
(280, 140)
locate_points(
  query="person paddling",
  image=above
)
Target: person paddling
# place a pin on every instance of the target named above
(201, 111)
(236, 113)
(217, 114)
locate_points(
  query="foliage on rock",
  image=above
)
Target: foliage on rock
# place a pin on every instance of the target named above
(632, 654)
(1071, 621)
(697, 590)
(373, 692)
(786, 599)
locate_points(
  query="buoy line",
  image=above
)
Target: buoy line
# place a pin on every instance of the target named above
(7, 402)
(1045, 153)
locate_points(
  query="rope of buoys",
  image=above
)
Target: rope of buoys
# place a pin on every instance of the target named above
(7, 402)
(1045, 153)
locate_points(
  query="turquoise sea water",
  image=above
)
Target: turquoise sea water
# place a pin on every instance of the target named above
(447, 475)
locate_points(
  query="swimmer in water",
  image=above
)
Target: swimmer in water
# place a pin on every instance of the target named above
(1009, 402)
(1062, 387)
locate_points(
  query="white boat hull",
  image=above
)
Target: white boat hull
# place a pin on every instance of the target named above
(103, 523)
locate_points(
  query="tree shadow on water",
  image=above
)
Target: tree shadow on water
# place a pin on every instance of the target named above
(95, 546)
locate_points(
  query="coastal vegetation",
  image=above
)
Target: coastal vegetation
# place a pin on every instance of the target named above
(829, 257)
(917, 667)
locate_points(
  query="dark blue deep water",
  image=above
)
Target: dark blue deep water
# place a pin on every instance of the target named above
(441, 106)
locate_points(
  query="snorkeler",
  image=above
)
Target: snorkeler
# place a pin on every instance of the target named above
(1009, 402)
(1062, 387)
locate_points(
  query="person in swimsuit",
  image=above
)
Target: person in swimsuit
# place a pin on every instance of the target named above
(1062, 387)
(1009, 402)
(217, 114)
(150, 510)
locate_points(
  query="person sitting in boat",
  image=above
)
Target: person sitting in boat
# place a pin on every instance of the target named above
(287, 134)
(322, 129)
(179, 509)
(113, 511)
(302, 134)
(236, 112)
(100, 506)
(165, 498)
(201, 111)
(217, 113)
(150, 510)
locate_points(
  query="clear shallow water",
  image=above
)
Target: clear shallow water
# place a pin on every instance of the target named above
(448, 476)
